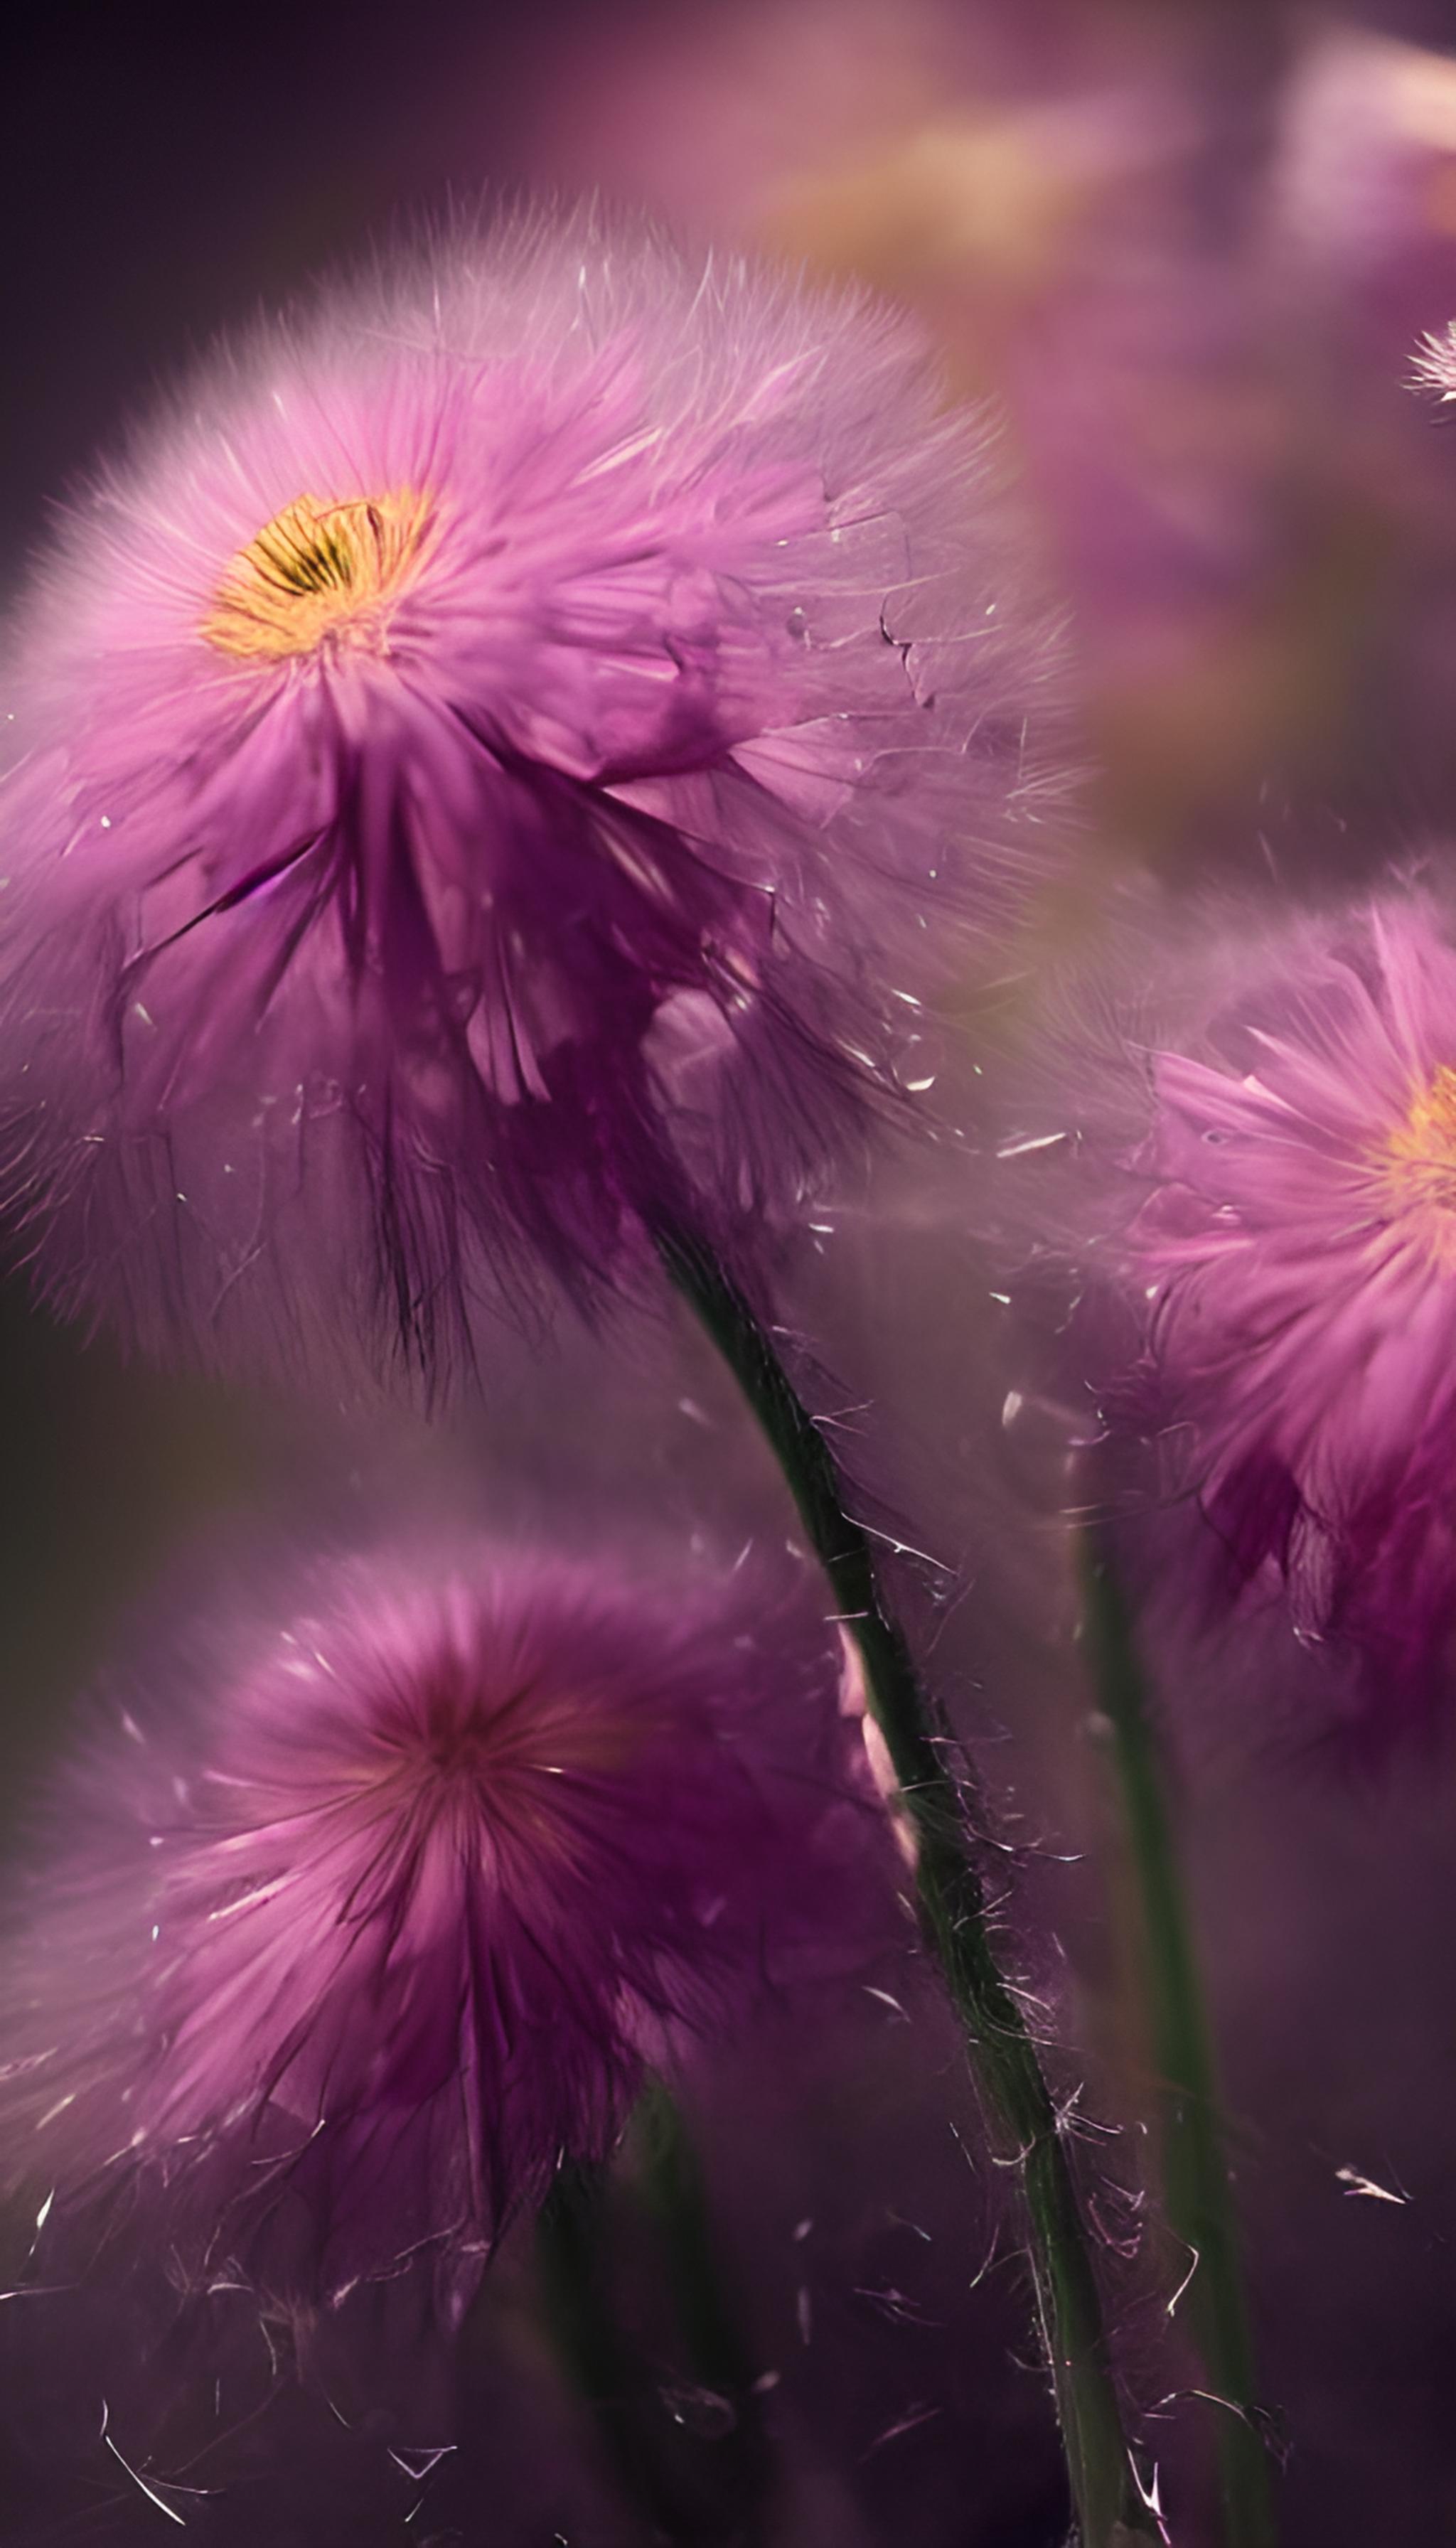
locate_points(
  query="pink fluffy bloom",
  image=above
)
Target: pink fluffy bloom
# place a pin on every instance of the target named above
(498, 764)
(340, 1947)
(1299, 1255)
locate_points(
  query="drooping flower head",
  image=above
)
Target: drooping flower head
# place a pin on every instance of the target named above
(346, 1939)
(497, 766)
(1298, 1255)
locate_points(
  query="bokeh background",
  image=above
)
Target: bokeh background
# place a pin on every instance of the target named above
(1188, 250)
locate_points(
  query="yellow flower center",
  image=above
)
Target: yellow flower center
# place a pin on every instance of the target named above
(319, 571)
(1420, 1158)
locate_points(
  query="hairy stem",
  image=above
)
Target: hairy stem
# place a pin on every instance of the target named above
(1019, 2106)
(1197, 2191)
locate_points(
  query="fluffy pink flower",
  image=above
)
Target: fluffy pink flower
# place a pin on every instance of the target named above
(341, 1946)
(498, 764)
(1298, 1256)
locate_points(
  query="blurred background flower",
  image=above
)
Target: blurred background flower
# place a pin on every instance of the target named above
(1295, 1252)
(358, 1913)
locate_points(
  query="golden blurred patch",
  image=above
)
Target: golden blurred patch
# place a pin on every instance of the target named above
(316, 571)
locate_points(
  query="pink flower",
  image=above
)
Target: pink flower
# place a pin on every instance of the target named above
(349, 1939)
(501, 764)
(1298, 1258)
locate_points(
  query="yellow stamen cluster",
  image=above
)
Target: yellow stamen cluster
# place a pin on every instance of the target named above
(1418, 1159)
(318, 571)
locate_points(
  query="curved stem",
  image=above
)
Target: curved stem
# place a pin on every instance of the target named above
(1199, 2199)
(1021, 2112)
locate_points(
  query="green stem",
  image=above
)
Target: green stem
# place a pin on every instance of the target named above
(600, 2365)
(1021, 2112)
(1197, 2191)
(698, 2482)
(675, 2196)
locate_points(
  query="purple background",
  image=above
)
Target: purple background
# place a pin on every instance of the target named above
(162, 176)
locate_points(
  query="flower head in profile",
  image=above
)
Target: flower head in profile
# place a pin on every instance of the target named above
(497, 767)
(1298, 1255)
(346, 1943)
